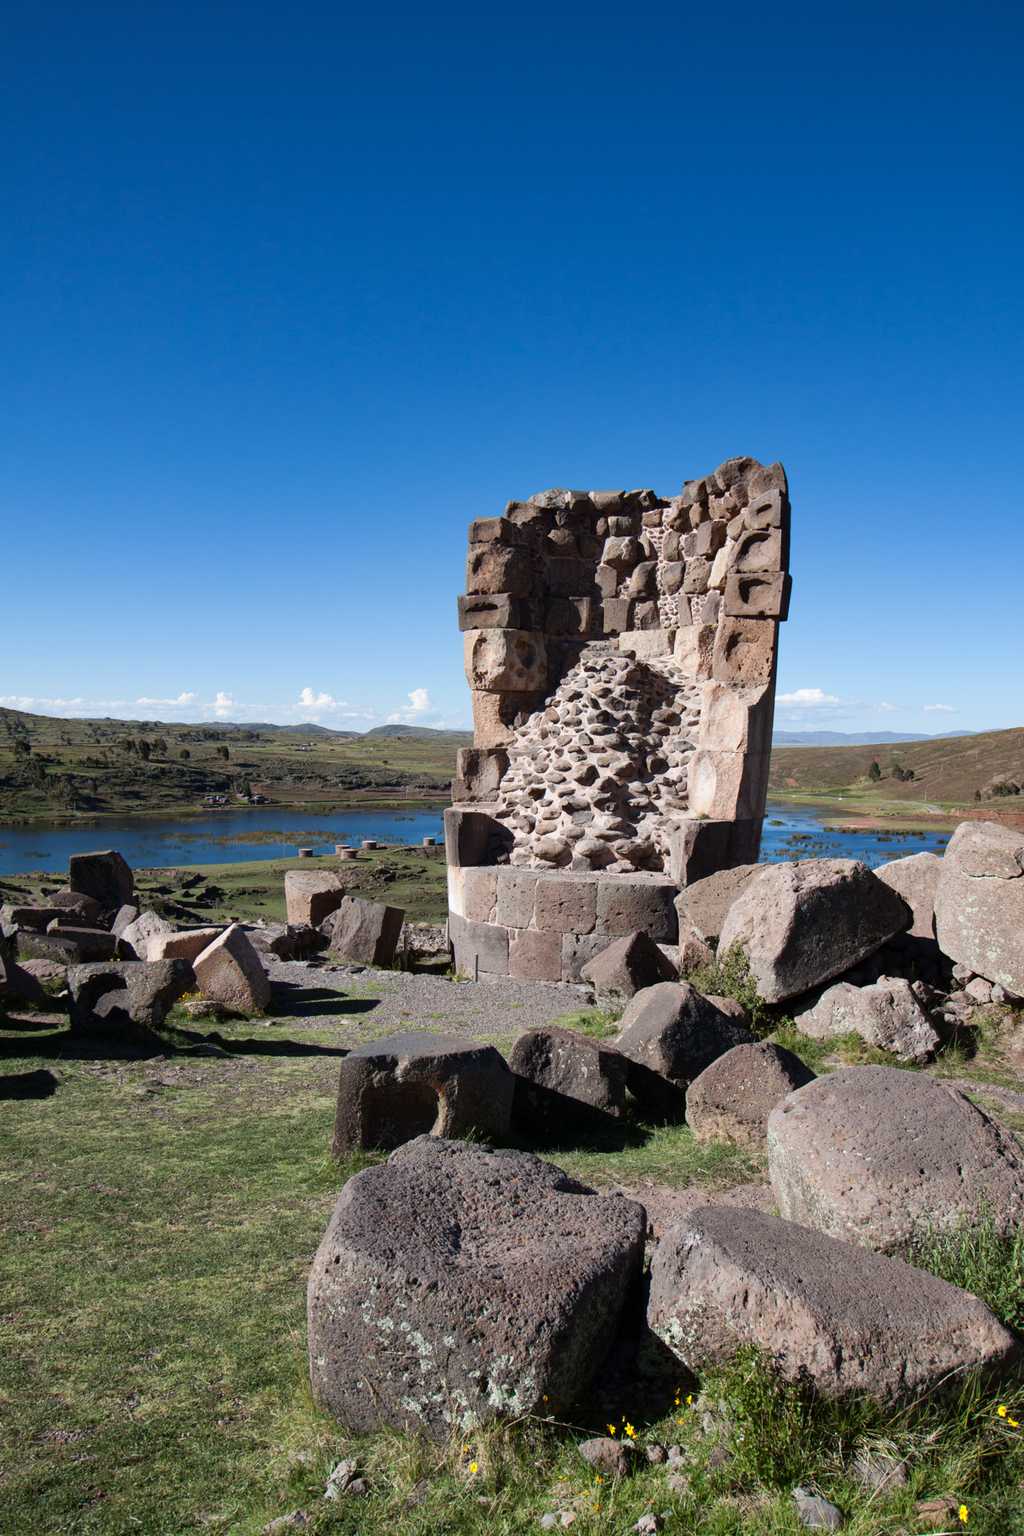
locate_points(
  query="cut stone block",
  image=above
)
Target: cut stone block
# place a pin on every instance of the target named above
(750, 596)
(310, 897)
(126, 1000)
(744, 651)
(534, 956)
(702, 906)
(673, 1030)
(625, 967)
(505, 660)
(566, 1080)
(495, 568)
(733, 1097)
(916, 879)
(229, 971)
(478, 773)
(627, 903)
(478, 949)
(138, 937)
(522, 1275)
(104, 876)
(186, 944)
(366, 932)
(979, 902)
(415, 1084)
(886, 1014)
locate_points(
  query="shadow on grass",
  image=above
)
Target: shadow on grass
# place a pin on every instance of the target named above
(28, 1085)
(62, 1045)
(291, 1001)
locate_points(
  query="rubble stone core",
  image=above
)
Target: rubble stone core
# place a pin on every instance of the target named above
(621, 652)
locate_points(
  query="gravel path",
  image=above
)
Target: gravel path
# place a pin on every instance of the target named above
(374, 1003)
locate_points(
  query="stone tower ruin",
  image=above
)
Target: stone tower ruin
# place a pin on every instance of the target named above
(621, 650)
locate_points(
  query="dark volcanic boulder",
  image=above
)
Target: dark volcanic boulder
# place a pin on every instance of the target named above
(625, 967)
(565, 1079)
(125, 1000)
(68, 946)
(105, 877)
(886, 1014)
(873, 1155)
(364, 931)
(733, 1097)
(392, 1090)
(842, 1318)
(702, 906)
(801, 924)
(675, 1031)
(457, 1285)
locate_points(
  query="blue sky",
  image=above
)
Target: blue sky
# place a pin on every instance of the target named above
(290, 294)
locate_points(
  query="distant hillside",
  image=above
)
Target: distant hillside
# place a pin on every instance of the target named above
(947, 770)
(422, 733)
(857, 738)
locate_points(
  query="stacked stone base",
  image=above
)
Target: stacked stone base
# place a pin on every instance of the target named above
(545, 925)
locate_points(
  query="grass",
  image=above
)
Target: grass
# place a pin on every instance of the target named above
(598, 1023)
(158, 1218)
(981, 1259)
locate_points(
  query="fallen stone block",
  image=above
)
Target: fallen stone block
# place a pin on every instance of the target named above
(886, 1015)
(85, 908)
(802, 924)
(36, 919)
(839, 1317)
(457, 1285)
(733, 1097)
(183, 944)
(126, 1000)
(104, 876)
(874, 1155)
(626, 966)
(702, 906)
(311, 897)
(979, 902)
(415, 1084)
(916, 879)
(139, 936)
(566, 1081)
(123, 918)
(365, 931)
(67, 946)
(674, 1031)
(229, 971)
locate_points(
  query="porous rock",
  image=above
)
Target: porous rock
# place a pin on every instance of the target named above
(916, 879)
(733, 1097)
(456, 1284)
(106, 877)
(564, 1078)
(85, 908)
(874, 1155)
(979, 902)
(702, 906)
(675, 1031)
(229, 971)
(310, 896)
(625, 967)
(843, 1318)
(126, 998)
(184, 944)
(414, 1084)
(886, 1015)
(138, 937)
(365, 931)
(801, 924)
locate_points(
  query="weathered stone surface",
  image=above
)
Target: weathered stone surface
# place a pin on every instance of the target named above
(639, 902)
(85, 908)
(979, 902)
(103, 876)
(456, 1285)
(478, 949)
(127, 999)
(625, 967)
(497, 569)
(478, 773)
(311, 896)
(496, 610)
(186, 944)
(727, 786)
(36, 919)
(415, 1084)
(886, 1014)
(674, 1031)
(749, 596)
(703, 905)
(229, 971)
(744, 651)
(67, 946)
(565, 905)
(842, 1318)
(872, 1155)
(801, 924)
(123, 918)
(19, 983)
(916, 879)
(479, 893)
(365, 931)
(560, 1073)
(139, 935)
(505, 660)
(733, 1097)
(533, 955)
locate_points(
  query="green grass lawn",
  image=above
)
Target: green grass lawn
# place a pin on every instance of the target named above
(158, 1219)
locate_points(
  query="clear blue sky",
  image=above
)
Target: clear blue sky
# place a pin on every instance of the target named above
(290, 293)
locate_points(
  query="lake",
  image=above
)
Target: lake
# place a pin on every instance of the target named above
(233, 837)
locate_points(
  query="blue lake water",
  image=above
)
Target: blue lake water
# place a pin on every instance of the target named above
(231, 837)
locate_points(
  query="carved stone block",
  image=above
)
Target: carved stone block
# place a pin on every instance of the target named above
(744, 651)
(505, 660)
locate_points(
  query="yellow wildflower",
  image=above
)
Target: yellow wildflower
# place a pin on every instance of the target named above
(474, 1467)
(962, 1512)
(630, 1431)
(1002, 1410)
(611, 1429)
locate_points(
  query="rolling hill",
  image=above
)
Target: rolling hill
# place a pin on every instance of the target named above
(948, 770)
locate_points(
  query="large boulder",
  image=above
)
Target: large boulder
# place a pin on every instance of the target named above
(565, 1080)
(702, 906)
(733, 1097)
(106, 877)
(800, 925)
(457, 1285)
(229, 971)
(841, 1318)
(181, 944)
(18, 985)
(674, 1031)
(126, 999)
(916, 879)
(625, 966)
(35, 918)
(979, 903)
(886, 1015)
(873, 1155)
(140, 936)
(364, 931)
(67, 946)
(311, 895)
(393, 1090)
(86, 909)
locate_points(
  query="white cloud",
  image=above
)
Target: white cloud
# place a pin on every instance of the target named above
(223, 704)
(418, 710)
(808, 698)
(182, 698)
(419, 698)
(939, 709)
(887, 707)
(310, 699)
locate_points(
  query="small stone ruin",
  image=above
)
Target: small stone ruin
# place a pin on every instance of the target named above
(621, 650)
